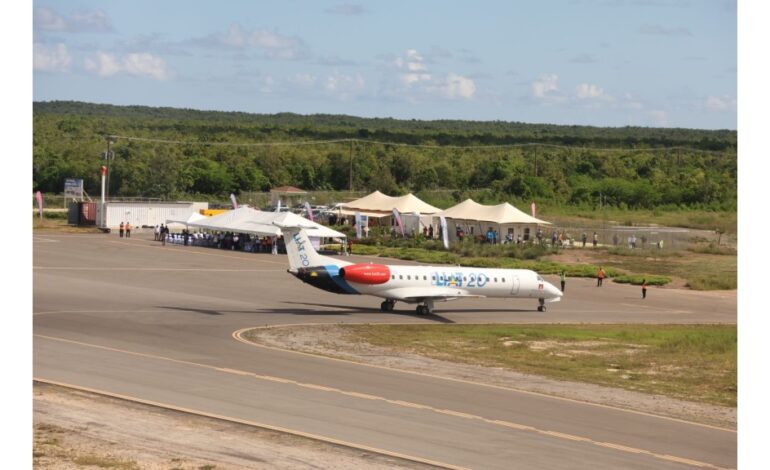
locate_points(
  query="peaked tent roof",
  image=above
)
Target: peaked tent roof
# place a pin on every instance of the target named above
(249, 220)
(501, 214)
(193, 216)
(378, 202)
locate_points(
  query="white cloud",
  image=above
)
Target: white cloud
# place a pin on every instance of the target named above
(589, 92)
(54, 58)
(82, 21)
(344, 86)
(544, 85)
(457, 86)
(303, 80)
(715, 103)
(270, 44)
(137, 64)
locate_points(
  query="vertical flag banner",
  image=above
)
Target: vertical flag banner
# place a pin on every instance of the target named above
(397, 216)
(533, 209)
(358, 225)
(232, 198)
(444, 234)
(309, 211)
(39, 197)
(278, 207)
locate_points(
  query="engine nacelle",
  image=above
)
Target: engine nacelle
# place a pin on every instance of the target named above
(366, 273)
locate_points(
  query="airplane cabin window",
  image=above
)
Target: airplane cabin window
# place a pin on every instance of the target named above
(393, 276)
(408, 277)
(400, 276)
(495, 279)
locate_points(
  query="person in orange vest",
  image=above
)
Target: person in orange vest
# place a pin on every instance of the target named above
(128, 230)
(644, 288)
(600, 277)
(122, 227)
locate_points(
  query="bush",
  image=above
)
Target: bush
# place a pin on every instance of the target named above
(636, 279)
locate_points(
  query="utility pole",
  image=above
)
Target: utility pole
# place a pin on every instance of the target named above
(351, 165)
(109, 155)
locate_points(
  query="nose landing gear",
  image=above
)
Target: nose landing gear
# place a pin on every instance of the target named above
(541, 307)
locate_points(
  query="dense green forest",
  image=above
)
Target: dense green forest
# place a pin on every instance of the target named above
(188, 152)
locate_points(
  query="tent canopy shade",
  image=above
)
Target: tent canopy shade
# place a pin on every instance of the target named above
(499, 214)
(377, 202)
(252, 221)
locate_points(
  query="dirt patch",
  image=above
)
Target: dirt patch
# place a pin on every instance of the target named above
(75, 430)
(331, 340)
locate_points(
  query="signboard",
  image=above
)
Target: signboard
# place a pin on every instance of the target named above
(73, 188)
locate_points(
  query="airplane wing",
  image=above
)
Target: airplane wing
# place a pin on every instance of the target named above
(418, 294)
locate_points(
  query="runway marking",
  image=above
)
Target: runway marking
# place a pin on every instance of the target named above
(50, 312)
(237, 335)
(41, 239)
(100, 268)
(462, 415)
(271, 427)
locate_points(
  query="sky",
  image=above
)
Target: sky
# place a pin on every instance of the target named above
(656, 63)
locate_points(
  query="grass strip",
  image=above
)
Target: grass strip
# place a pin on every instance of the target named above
(691, 362)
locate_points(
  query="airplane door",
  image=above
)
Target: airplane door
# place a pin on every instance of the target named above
(515, 288)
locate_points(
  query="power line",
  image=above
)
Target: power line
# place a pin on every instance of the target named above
(401, 144)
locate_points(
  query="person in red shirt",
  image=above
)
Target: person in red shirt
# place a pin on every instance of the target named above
(644, 288)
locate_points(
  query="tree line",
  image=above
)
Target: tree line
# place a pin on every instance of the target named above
(561, 164)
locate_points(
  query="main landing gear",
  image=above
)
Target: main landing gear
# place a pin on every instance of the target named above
(541, 307)
(426, 309)
(387, 305)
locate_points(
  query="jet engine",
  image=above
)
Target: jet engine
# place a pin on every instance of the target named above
(366, 273)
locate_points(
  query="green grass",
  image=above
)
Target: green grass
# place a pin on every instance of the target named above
(691, 362)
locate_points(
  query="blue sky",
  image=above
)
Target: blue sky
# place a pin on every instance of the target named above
(668, 63)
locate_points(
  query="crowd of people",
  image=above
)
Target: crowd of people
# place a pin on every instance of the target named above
(222, 240)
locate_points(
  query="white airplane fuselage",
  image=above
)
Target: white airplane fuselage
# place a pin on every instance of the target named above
(412, 284)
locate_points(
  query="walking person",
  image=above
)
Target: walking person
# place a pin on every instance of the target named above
(128, 230)
(563, 279)
(644, 288)
(122, 229)
(600, 277)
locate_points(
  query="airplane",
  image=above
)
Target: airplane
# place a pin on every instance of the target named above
(422, 285)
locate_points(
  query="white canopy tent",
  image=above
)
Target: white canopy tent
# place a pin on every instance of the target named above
(192, 216)
(475, 219)
(377, 204)
(261, 223)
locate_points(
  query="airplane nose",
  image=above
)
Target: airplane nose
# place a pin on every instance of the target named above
(553, 291)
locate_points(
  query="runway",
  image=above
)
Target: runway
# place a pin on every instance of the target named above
(132, 318)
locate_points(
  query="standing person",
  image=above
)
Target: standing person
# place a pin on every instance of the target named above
(122, 229)
(430, 232)
(600, 277)
(584, 238)
(128, 230)
(157, 232)
(596, 239)
(350, 247)
(366, 231)
(644, 288)
(563, 279)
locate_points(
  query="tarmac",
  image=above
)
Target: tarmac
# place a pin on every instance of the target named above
(155, 324)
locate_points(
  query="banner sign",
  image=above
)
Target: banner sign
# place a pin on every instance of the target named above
(533, 209)
(358, 225)
(309, 211)
(73, 188)
(232, 198)
(444, 234)
(397, 216)
(278, 207)
(39, 198)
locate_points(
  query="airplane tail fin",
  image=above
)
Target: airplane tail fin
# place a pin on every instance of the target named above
(301, 252)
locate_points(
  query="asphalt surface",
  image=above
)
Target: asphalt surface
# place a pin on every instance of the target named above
(133, 318)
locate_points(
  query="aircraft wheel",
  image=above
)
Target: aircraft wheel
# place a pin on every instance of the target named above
(391, 304)
(421, 310)
(384, 306)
